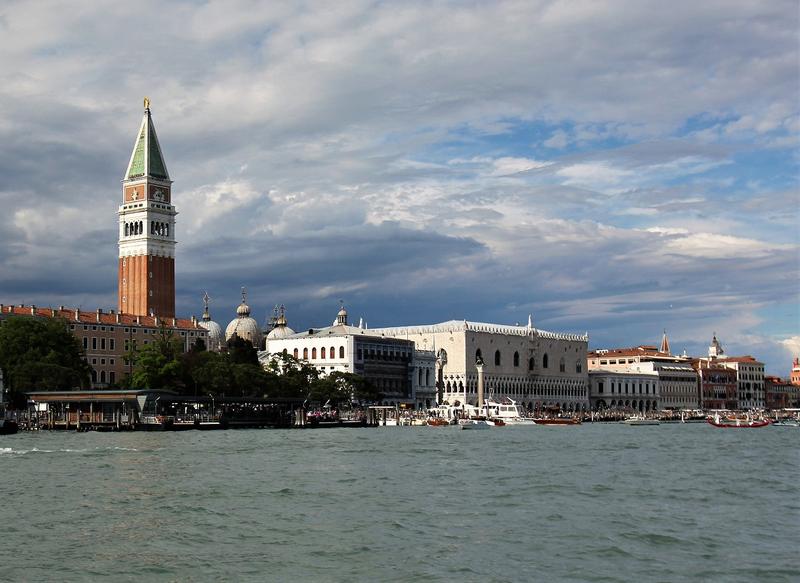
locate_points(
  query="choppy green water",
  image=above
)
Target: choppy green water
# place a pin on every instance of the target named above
(591, 503)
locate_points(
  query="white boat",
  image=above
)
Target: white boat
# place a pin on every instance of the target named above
(475, 424)
(640, 421)
(509, 413)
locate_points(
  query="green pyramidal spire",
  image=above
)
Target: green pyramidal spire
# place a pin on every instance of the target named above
(146, 159)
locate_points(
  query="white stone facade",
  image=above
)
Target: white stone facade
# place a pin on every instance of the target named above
(533, 367)
(627, 390)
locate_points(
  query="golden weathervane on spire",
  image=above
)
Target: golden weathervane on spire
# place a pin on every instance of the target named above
(147, 103)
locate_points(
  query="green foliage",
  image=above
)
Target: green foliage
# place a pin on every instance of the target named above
(241, 351)
(157, 365)
(344, 388)
(41, 354)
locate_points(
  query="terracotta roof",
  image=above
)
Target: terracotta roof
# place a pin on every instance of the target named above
(100, 317)
(740, 359)
(635, 351)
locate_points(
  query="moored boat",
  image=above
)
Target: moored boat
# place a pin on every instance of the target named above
(507, 414)
(737, 422)
(8, 427)
(640, 421)
(557, 421)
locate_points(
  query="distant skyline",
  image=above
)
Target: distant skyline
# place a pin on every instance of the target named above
(619, 168)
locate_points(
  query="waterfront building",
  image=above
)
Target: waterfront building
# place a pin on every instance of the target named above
(390, 364)
(107, 337)
(749, 375)
(535, 368)
(717, 384)
(677, 380)
(780, 393)
(244, 326)
(147, 230)
(635, 388)
(795, 374)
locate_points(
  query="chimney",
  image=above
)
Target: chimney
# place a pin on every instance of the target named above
(1, 308)
(174, 322)
(77, 315)
(33, 310)
(60, 308)
(52, 312)
(118, 319)
(99, 312)
(138, 321)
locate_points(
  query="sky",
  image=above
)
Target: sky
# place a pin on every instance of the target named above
(618, 168)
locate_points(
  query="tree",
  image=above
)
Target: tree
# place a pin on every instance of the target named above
(41, 354)
(157, 365)
(344, 388)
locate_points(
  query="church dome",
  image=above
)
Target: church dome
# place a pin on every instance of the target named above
(281, 329)
(243, 325)
(215, 337)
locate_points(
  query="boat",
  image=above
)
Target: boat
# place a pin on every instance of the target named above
(475, 424)
(786, 423)
(556, 421)
(737, 422)
(507, 413)
(438, 422)
(640, 421)
(8, 427)
(155, 423)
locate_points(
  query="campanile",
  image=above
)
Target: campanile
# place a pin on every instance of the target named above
(147, 230)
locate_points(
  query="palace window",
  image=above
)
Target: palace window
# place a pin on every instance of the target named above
(341, 352)
(516, 359)
(497, 358)
(295, 353)
(314, 353)
(322, 353)
(531, 364)
(545, 361)
(562, 366)
(305, 354)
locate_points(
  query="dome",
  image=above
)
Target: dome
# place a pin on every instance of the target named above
(281, 330)
(215, 338)
(243, 325)
(245, 328)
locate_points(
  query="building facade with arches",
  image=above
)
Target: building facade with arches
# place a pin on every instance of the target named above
(536, 368)
(402, 374)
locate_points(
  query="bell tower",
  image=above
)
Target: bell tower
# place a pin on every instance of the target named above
(147, 230)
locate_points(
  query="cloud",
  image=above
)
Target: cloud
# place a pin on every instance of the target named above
(593, 163)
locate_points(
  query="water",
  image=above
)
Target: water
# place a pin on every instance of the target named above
(591, 503)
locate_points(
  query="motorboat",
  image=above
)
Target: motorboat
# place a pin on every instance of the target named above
(786, 423)
(737, 422)
(556, 421)
(8, 427)
(509, 413)
(640, 421)
(475, 423)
